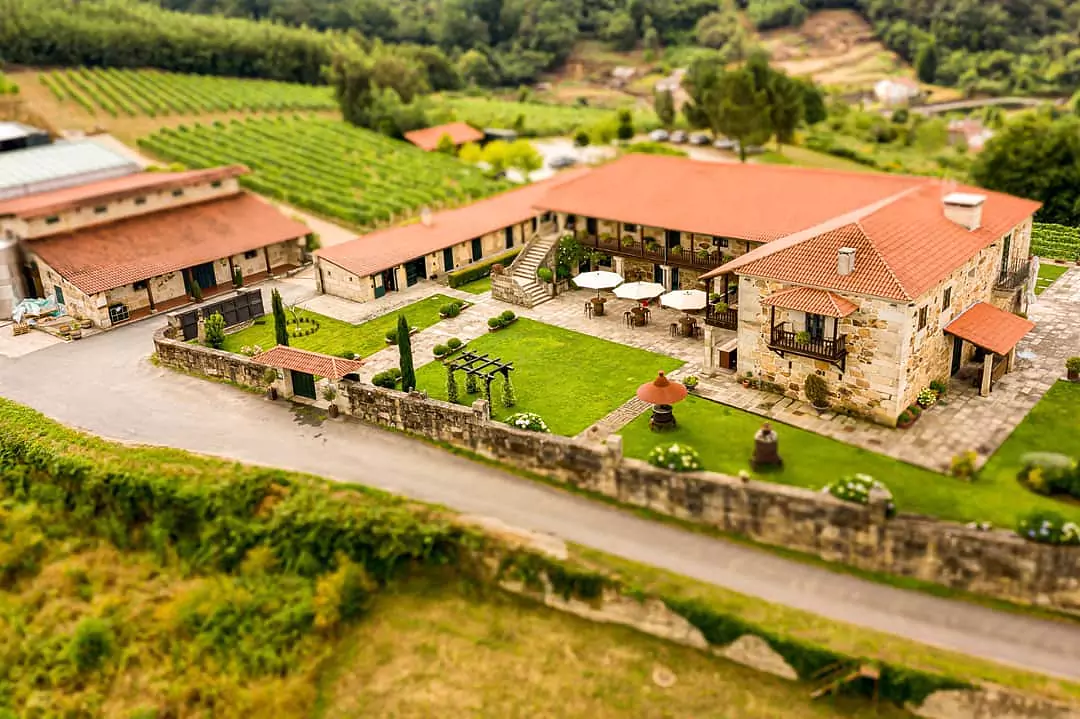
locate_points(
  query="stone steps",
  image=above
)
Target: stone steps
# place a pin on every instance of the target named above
(524, 268)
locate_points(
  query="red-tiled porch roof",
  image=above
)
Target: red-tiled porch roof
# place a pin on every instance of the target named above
(299, 360)
(105, 256)
(812, 301)
(993, 329)
(459, 132)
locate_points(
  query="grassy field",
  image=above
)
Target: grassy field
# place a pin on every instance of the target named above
(328, 167)
(569, 379)
(1048, 274)
(334, 336)
(811, 460)
(539, 119)
(477, 287)
(441, 653)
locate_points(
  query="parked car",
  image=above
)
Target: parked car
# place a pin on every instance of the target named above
(562, 161)
(750, 149)
(659, 136)
(724, 144)
(678, 136)
(699, 138)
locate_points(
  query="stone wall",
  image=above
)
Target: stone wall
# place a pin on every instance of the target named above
(997, 564)
(505, 289)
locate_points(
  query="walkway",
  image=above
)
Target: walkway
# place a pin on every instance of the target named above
(143, 403)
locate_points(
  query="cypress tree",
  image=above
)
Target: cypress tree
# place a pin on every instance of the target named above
(452, 393)
(405, 358)
(281, 326)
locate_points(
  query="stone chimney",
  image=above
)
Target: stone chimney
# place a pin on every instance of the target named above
(845, 261)
(964, 209)
(426, 218)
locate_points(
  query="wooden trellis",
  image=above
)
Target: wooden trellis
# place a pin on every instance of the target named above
(482, 367)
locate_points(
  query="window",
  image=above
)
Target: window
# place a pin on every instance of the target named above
(177, 193)
(140, 200)
(52, 219)
(946, 300)
(100, 210)
(923, 313)
(815, 327)
(251, 254)
(140, 285)
(629, 227)
(720, 241)
(215, 184)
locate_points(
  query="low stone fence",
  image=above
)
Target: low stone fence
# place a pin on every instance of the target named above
(997, 564)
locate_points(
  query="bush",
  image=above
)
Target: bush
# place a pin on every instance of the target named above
(581, 138)
(544, 274)
(391, 336)
(457, 278)
(508, 316)
(453, 343)
(529, 421)
(1073, 364)
(387, 379)
(905, 417)
(495, 323)
(816, 390)
(509, 397)
(1050, 473)
(451, 309)
(1048, 528)
(940, 386)
(856, 488)
(91, 644)
(342, 595)
(927, 398)
(676, 457)
(215, 330)
(441, 350)
(962, 465)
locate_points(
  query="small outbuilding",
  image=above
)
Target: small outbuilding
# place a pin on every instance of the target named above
(459, 133)
(17, 136)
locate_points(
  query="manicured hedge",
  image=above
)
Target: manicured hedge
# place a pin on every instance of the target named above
(457, 278)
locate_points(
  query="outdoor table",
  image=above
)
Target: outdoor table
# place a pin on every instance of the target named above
(686, 325)
(598, 306)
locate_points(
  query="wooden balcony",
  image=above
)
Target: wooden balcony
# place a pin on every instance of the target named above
(654, 252)
(833, 351)
(728, 319)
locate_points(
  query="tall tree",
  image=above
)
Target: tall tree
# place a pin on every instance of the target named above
(700, 81)
(926, 62)
(405, 358)
(740, 110)
(664, 104)
(625, 129)
(785, 108)
(281, 323)
(814, 109)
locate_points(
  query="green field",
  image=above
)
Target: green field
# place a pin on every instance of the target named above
(477, 287)
(335, 337)
(724, 436)
(154, 93)
(1048, 274)
(539, 119)
(569, 379)
(327, 166)
(1056, 242)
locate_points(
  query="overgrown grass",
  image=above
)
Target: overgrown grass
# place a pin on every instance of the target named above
(1048, 274)
(430, 651)
(334, 336)
(569, 379)
(724, 436)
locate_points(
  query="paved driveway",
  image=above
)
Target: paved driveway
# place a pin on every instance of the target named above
(106, 385)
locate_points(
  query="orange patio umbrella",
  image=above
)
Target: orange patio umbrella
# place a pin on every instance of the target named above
(662, 391)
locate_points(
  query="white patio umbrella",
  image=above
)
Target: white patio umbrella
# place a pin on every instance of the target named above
(685, 300)
(639, 290)
(599, 280)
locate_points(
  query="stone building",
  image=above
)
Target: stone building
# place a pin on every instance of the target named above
(878, 283)
(122, 248)
(397, 257)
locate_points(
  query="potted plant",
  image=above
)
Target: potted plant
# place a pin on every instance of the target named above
(628, 240)
(329, 393)
(703, 254)
(676, 250)
(905, 420)
(1072, 367)
(691, 382)
(927, 398)
(85, 322)
(651, 244)
(75, 331)
(269, 378)
(803, 337)
(747, 379)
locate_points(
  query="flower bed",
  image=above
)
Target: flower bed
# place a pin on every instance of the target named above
(528, 421)
(857, 488)
(1049, 528)
(676, 457)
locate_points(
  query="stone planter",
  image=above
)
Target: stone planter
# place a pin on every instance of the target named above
(76, 334)
(86, 324)
(821, 408)
(500, 327)
(333, 411)
(271, 393)
(1073, 375)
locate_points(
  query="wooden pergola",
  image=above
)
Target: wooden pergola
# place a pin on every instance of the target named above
(482, 367)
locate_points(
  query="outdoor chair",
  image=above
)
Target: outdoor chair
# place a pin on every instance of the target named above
(629, 317)
(588, 309)
(673, 329)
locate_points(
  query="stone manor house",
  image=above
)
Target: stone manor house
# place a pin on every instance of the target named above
(878, 283)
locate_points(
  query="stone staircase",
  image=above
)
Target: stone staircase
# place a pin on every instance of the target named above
(527, 289)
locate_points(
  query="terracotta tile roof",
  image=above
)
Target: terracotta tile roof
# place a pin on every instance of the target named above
(903, 248)
(314, 363)
(49, 203)
(105, 256)
(811, 301)
(459, 132)
(391, 247)
(749, 202)
(993, 329)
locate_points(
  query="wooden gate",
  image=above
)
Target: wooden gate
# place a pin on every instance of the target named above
(303, 384)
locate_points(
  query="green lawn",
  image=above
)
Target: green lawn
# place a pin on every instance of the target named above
(724, 437)
(477, 287)
(334, 336)
(805, 157)
(569, 379)
(1048, 274)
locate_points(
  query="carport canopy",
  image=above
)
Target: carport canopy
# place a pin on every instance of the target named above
(298, 360)
(990, 328)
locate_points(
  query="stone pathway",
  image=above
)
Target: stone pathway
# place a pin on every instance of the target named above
(616, 420)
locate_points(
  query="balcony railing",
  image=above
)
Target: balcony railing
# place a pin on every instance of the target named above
(831, 350)
(728, 319)
(1013, 277)
(681, 257)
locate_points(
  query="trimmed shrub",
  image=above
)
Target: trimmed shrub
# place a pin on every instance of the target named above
(509, 397)
(441, 350)
(676, 457)
(494, 323)
(457, 278)
(1046, 527)
(1050, 473)
(544, 274)
(453, 343)
(452, 392)
(215, 330)
(451, 309)
(816, 390)
(856, 488)
(470, 384)
(508, 316)
(528, 420)
(387, 379)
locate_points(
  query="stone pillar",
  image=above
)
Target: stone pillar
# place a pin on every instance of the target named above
(709, 362)
(286, 384)
(481, 410)
(201, 329)
(1010, 360)
(988, 372)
